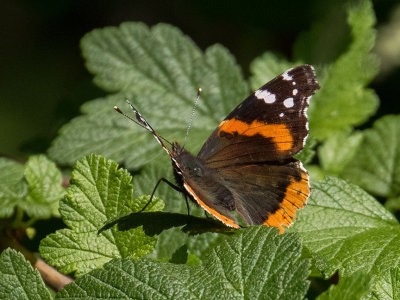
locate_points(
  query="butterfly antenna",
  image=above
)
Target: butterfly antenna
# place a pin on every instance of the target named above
(192, 115)
(116, 108)
(139, 121)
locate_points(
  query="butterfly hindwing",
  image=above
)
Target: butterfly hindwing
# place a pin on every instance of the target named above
(268, 194)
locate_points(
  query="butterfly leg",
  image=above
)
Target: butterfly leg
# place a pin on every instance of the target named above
(176, 188)
(187, 204)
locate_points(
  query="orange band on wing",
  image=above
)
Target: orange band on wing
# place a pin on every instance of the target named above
(279, 133)
(213, 212)
(296, 197)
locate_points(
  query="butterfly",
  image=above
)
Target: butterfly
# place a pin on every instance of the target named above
(246, 167)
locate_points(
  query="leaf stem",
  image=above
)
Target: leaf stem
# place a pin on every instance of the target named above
(19, 215)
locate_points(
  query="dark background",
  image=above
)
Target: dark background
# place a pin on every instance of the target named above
(43, 80)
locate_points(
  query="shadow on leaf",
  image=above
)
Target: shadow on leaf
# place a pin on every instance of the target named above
(156, 222)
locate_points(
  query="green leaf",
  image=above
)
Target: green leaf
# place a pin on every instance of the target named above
(18, 280)
(338, 150)
(255, 263)
(376, 165)
(348, 230)
(37, 188)
(11, 172)
(267, 67)
(170, 240)
(315, 172)
(307, 154)
(355, 287)
(387, 286)
(45, 188)
(99, 192)
(13, 188)
(343, 100)
(159, 70)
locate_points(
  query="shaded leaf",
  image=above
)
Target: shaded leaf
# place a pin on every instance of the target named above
(180, 256)
(393, 204)
(327, 39)
(156, 222)
(388, 42)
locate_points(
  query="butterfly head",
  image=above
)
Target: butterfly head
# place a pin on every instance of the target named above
(186, 162)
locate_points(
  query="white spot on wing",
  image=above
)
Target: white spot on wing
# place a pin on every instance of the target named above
(305, 112)
(281, 115)
(265, 95)
(286, 76)
(294, 92)
(305, 116)
(294, 82)
(302, 167)
(306, 108)
(288, 102)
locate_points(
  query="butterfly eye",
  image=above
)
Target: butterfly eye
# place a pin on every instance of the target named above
(198, 171)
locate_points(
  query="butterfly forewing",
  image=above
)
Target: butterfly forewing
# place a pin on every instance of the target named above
(270, 125)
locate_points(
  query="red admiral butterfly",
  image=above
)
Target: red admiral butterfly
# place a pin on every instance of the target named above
(246, 165)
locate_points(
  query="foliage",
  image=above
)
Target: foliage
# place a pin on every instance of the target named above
(162, 254)
(35, 189)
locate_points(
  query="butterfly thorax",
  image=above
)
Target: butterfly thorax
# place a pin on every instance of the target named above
(194, 177)
(186, 165)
